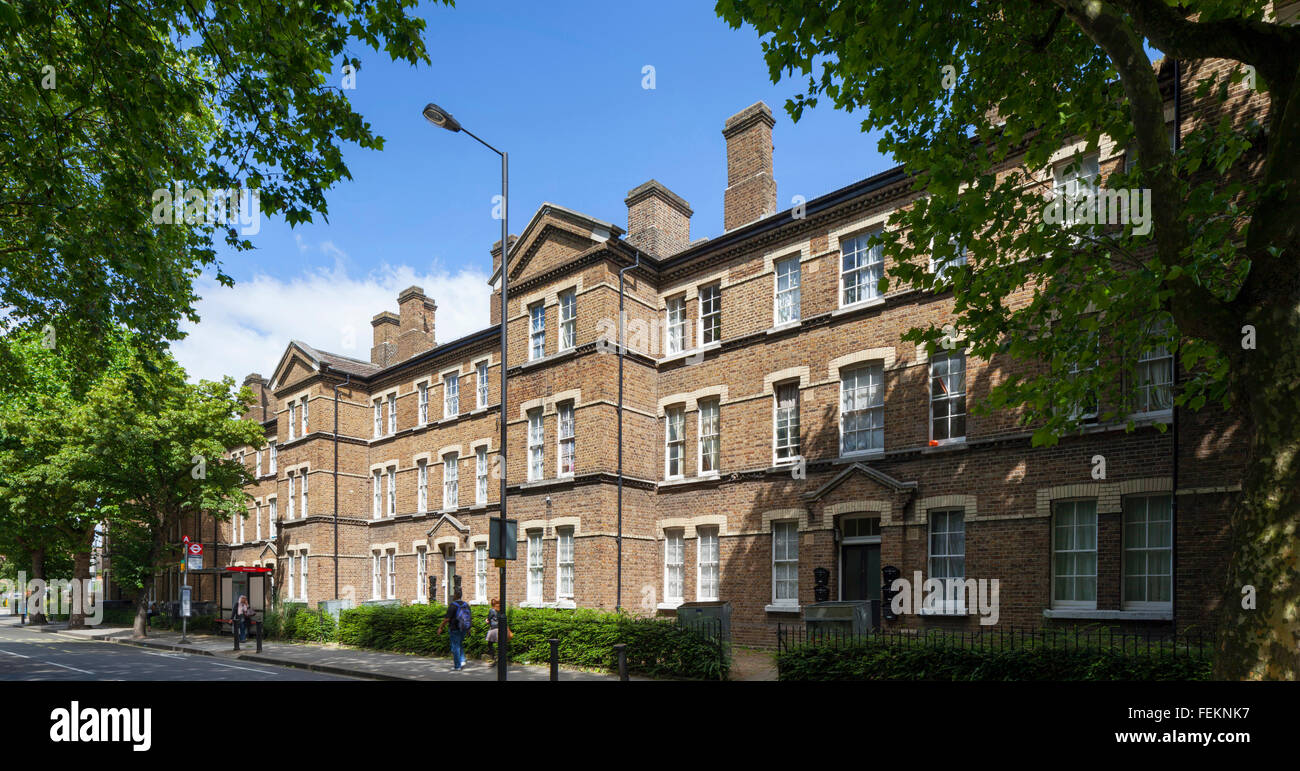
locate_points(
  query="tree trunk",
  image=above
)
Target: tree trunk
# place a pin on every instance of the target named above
(38, 571)
(139, 629)
(1261, 640)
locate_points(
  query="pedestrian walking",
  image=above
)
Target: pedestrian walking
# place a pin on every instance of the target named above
(243, 612)
(459, 618)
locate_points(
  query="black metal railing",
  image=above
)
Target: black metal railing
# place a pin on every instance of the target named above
(1193, 643)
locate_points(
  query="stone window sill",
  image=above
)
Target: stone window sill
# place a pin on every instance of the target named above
(1109, 615)
(783, 608)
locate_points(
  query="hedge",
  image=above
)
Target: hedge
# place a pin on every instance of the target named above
(870, 659)
(657, 648)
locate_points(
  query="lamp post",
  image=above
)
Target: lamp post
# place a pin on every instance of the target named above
(443, 119)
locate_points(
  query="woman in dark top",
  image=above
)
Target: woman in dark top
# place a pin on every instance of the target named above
(494, 621)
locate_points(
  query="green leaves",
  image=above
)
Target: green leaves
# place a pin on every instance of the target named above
(216, 95)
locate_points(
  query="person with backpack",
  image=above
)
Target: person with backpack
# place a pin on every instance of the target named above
(460, 619)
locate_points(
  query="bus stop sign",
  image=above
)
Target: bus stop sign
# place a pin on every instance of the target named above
(502, 538)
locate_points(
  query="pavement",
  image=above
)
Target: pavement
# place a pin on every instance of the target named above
(324, 661)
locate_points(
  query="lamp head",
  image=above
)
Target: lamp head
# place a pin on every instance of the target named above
(440, 117)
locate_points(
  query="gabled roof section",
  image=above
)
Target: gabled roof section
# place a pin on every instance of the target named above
(456, 523)
(860, 468)
(551, 220)
(269, 547)
(315, 358)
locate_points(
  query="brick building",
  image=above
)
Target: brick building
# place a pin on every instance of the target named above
(774, 424)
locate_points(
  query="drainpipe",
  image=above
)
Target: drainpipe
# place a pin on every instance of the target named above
(618, 591)
(347, 382)
(1173, 494)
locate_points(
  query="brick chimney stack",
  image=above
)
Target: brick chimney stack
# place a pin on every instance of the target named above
(258, 385)
(495, 311)
(416, 315)
(751, 189)
(658, 220)
(384, 351)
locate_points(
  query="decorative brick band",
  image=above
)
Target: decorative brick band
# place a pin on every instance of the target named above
(964, 502)
(1108, 494)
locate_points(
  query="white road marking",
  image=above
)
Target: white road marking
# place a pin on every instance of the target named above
(50, 663)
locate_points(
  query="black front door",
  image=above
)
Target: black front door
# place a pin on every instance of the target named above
(861, 571)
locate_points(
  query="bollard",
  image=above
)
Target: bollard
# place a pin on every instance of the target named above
(555, 659)
(622, 661)
(234, 631)
(259, 636)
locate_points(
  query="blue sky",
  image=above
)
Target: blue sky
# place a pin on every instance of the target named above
(559, 86)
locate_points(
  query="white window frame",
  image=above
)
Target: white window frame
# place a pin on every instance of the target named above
(674, 567)
(793, 289)
(302, 491)
(421, 574)
(257, 521)
(424, 403)
(422, 485)
(536, 566)
(292, 494)
(259, 464)
(451, 481)
(274, 458)
(450, 395)
(940, 550)
(376, 559)
(952, 396)
(1072, 183)
(675, 324)
(674, 417)
(392, 490)
(1057, 511)
(392, 414)
(707, 293)
(564, 563)
(293, 417)
(565, 439)
(536, 331)
(792, 446)
(536, 442)
(868, 268)
(377, 506)
(379, 417)
(480, 475)
(708, 562)
(568, 314)
(390, 592)
(272, 516)
(709, 430)
(482, 383)
(1146, 388)
(781, 556)
(1147, 550)
(480, 572)
(302, 577)
(868, 383)
(303, 416)
(290, 576)
(940, 269)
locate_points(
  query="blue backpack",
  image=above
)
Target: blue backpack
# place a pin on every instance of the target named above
(463, 617)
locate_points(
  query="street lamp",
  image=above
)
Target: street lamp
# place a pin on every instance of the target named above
(443, 119)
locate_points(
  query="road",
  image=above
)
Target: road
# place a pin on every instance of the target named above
(29, 655)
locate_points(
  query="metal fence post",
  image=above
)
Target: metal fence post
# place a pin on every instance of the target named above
(259, 636)
(555, 659)
(234, 631)
(622, 661)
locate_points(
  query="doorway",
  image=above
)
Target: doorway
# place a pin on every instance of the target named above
(861, 572)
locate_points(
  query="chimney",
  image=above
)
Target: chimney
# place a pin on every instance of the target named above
(384, 351)
(658, 220)
(751, 189)
(494, 312)
(257, 410)
(496, 251)
(415, 333)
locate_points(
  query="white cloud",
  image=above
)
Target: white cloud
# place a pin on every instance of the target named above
(246, 328)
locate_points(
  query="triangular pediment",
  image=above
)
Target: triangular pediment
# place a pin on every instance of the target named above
(447, 521)
(877, 476)
(552, 238)
(298, 363)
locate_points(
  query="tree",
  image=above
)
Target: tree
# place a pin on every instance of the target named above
(974, 99)
(104, 104)
(155, 445)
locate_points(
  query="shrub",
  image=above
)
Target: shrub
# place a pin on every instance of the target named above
(587, 638)
(878, 659)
